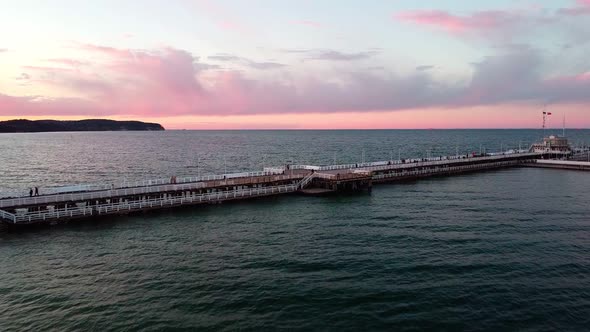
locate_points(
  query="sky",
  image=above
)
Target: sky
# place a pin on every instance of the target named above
(306, 64)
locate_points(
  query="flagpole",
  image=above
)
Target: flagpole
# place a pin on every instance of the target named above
(544, 119)
(563, 124)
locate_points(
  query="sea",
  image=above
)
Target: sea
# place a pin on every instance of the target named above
(500, 250)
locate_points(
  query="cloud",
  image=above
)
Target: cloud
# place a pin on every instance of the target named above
(22, 77)
(503, 26)
(225, 18)
(482, 20)
(341, 56)
(69, 62)
(295, 51)
(425, 67)
(265, 65)
(581, 9)
(225, 57)
(245, 61)
(172, 82)
(308, 23)
(333, 55)
(37, 105)
(201, 66)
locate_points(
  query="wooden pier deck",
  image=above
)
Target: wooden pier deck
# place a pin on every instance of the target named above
(561, 164)
(92, 201)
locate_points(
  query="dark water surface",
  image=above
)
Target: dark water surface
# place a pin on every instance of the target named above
(498, 250)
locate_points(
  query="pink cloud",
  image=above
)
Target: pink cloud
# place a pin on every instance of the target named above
(105, 50)
(454, 23)
(487, 23)
(223, 17)
(172, 82)
(68, 62)
(582, 8)
(308, 23)
(48, 69)
(228, 25)
(584, 77)
(41, 106)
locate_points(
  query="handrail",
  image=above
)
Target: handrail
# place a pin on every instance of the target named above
(154, 182)
(446, 161)
(139, 204)
(410, 161)
(21, 201)
(140, 187)
(8, 216)
(404, 172)
(306, 180)
(325, 176)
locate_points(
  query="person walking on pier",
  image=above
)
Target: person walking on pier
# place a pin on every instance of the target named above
(36, 191)
(31, 192)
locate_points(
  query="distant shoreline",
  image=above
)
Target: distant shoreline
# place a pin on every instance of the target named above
(44, 126)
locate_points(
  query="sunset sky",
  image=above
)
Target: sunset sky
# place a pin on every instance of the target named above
(248, 64)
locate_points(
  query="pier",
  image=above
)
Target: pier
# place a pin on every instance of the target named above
(561, 164)
(90, 201)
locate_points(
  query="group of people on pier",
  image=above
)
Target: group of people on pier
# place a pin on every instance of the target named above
(34, 192)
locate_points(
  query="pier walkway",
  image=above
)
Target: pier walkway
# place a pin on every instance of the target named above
(561, 164)
(85, 201)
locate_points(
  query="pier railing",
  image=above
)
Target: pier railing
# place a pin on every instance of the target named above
(401, 173)
(136, 205)
(306, 180)
(188, 183)
(154, 182)
(111, 193)
(373, 165)
(7, 216)
(449, 161)
(325, 176)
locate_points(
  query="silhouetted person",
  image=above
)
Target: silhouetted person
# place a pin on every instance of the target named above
(36, 191)
(31, 192)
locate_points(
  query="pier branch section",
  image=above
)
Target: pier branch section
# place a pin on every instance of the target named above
(289, 179)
